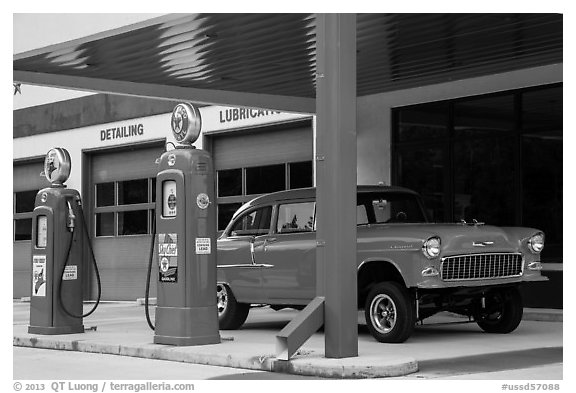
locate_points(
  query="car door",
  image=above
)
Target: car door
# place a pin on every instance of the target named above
(289, 254)
(236, 263)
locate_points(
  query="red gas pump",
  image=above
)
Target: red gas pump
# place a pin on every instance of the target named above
(186, 312)
(57, 253)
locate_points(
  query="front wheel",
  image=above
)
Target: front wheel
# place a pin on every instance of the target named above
(231, 314)
(389, 313)
(503, 312)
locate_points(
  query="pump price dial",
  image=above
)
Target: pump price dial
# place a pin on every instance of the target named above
(169, 200)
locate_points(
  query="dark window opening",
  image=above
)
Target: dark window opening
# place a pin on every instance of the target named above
(131, 192)
(23, 229)
(495, 158)
(230, 182)
(24, 201)
(105, 194)
(265, 179)
(300, 174)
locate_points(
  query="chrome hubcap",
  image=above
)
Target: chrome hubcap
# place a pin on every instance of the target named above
(222, 298)
(383, 313)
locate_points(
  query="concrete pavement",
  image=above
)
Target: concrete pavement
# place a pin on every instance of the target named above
(122, 330)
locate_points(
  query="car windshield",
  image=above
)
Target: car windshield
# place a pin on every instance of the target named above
(388, 207)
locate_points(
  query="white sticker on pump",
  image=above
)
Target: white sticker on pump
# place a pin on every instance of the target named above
(39, 275)
(70, 273)
(169, 198)
(203, 246)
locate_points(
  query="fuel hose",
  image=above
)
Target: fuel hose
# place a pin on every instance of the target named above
(85, 232)
(150, 259)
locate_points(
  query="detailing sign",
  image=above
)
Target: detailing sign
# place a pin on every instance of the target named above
(122, 132)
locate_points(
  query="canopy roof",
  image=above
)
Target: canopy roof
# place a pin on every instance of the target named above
(269, 60)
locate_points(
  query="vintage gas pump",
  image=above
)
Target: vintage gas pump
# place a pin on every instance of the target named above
(57, 253)
(186, 312)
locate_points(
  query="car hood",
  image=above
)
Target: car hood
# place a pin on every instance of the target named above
(455, 238)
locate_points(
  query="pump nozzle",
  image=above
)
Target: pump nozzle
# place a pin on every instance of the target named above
(71, 219)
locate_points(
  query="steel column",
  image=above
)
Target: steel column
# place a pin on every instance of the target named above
(336, 181)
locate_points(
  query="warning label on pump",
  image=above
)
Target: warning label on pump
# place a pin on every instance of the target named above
(39, 275)
(70, 273)
(203, 246)
(168, 257)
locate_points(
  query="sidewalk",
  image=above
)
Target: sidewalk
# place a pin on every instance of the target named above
(121, 329)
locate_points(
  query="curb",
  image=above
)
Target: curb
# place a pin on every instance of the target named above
(309, 364)
(543, 315)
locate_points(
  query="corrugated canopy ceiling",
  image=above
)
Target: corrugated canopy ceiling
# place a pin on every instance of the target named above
(207, 57)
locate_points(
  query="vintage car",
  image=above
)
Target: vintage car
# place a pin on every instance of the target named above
(408, 268)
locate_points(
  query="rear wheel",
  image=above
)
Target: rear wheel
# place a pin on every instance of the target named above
(231, 314)
(503, 312)
(389, 313)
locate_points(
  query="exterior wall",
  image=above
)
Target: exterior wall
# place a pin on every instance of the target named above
(38, 129)
(374, 122)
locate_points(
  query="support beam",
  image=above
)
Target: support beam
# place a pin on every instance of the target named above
(336, 181)
(300, 329)
(205, 96)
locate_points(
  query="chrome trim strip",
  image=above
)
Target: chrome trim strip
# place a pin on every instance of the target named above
(443, 260)
(246, 265)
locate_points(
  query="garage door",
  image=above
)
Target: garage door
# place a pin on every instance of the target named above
(26, 183)
(253, 163)
(122, 198)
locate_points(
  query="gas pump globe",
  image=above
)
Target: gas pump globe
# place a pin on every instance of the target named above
(57, 166)
(186, 124)
(186, 312)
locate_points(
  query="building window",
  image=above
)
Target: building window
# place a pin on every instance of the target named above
(238, 185)
(495, 158)
(265, 179)
(230, 182)
(22, 214)
(124, 208)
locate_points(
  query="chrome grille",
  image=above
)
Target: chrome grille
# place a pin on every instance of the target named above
(481, 266)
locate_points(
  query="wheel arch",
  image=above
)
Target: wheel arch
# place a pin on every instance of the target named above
(373, 271)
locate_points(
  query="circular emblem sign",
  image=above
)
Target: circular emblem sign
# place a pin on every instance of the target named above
(186, 123)
(171, 201)
(57, 165)
(202, 200)
(164, 264)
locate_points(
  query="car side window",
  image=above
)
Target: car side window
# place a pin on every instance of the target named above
(295, 217)
(255, 222)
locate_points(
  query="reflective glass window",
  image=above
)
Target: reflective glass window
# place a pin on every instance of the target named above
(132, 191)
(229, 182)
(24, 201)
(105, 224)
(133, 222)
(484, 116)
(23, 229)
(296, 217)
(300, 174)
(256, 222)
(225, 213)
(265, 179)
(105, 194)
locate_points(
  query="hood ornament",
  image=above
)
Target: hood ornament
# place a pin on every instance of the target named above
(482, 244)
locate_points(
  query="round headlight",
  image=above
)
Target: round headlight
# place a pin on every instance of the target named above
(431, 247)
(536, 243)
